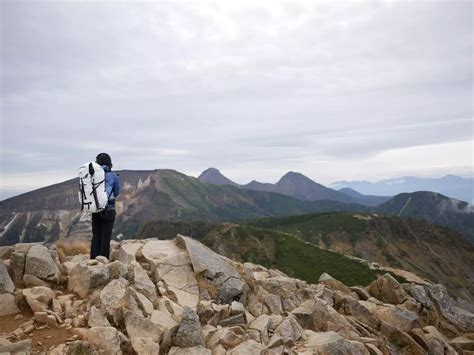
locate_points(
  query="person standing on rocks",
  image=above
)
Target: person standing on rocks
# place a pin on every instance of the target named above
(103, 222)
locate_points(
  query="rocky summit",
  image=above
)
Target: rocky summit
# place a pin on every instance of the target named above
(179, 297)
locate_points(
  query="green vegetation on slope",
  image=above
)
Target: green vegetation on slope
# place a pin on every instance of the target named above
(286, 253)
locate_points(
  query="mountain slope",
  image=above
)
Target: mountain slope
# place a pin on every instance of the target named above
(52, 212)
(285, 252)
(434, 252)
(449, 185)
(434, 208)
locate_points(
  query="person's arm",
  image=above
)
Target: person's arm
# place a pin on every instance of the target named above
(116, 186)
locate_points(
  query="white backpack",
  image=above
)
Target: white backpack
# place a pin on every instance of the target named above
(92, 192)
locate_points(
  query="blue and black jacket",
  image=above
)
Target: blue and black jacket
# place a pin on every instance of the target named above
(112, 186)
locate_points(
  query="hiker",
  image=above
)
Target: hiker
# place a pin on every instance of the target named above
(103, 221)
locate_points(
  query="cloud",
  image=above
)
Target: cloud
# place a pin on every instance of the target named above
(252, 88)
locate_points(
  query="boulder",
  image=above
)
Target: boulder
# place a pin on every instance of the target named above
(127, 251)
(248, 347)
(6, 283)
(462, 319)
(172, 265)
(145, 346)
(32, 281)
(195, 350)
(138, 326)
(38, 298)
(189, 333)
(165, 319)
(347, 305)
(142, 282)
(40, 263)
(117, 269)
(19, 347)
(387, 289)
(17, 267)
(465, 342)
(328, 343)
(107, 339)
(96, 318)
(217, 269)
(115, 295)
(334, 284)
(290, 330)
(8, 304)
(84, 278)
(419, 293)
(144, 303)
(398, 317)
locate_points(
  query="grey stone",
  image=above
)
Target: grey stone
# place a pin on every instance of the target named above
(6, 283)
(189, 333)
(142, 282)
(20, 347)
(387, 289)
(38, 298)
(195, 350)
(248, 347)
(328, 343)
(138, 326)
(40, 263)
(96, 318)
(17, 267)
(117, 269)
(145, 346)
(84, 278)
(32, 281)
(107, 339)
(7, 304)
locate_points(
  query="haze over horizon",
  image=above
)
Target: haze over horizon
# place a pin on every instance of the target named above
(344, 91)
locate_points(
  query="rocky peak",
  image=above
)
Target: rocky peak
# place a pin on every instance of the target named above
(179, 297)
(214, 176)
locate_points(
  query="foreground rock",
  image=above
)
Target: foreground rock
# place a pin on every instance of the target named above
(179, 297)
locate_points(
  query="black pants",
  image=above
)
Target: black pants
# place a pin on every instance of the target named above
(102, 225)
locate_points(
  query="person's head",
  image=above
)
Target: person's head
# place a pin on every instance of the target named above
(104, 159)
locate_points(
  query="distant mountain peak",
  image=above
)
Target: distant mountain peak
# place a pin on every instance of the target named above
(214, 176)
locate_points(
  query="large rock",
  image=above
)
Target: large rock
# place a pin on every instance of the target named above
(349, 306)
(290, 330)
(107, 339)
(218, 270)
(128, 250)
(145, 346)
(398, 317)
(38, 298)
(115, 295)
(172, 265)
(84, 278)
(195, 350)
(96, 318)
(142, 282)
(7, 304)
(6, 283)
(40, 263)
(334, 284)
(387, 289)
(328, 343)
(142, 327)
(20, 347)
(17, 267)
(248, 347)
(189, 333)
(462, 319)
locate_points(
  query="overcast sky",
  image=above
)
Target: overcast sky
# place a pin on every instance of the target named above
(335, 90)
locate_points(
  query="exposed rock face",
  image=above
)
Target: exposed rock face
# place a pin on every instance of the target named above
(179, 297)
(84, 277)
(189, 332)
(40, 263)
(387, 289)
